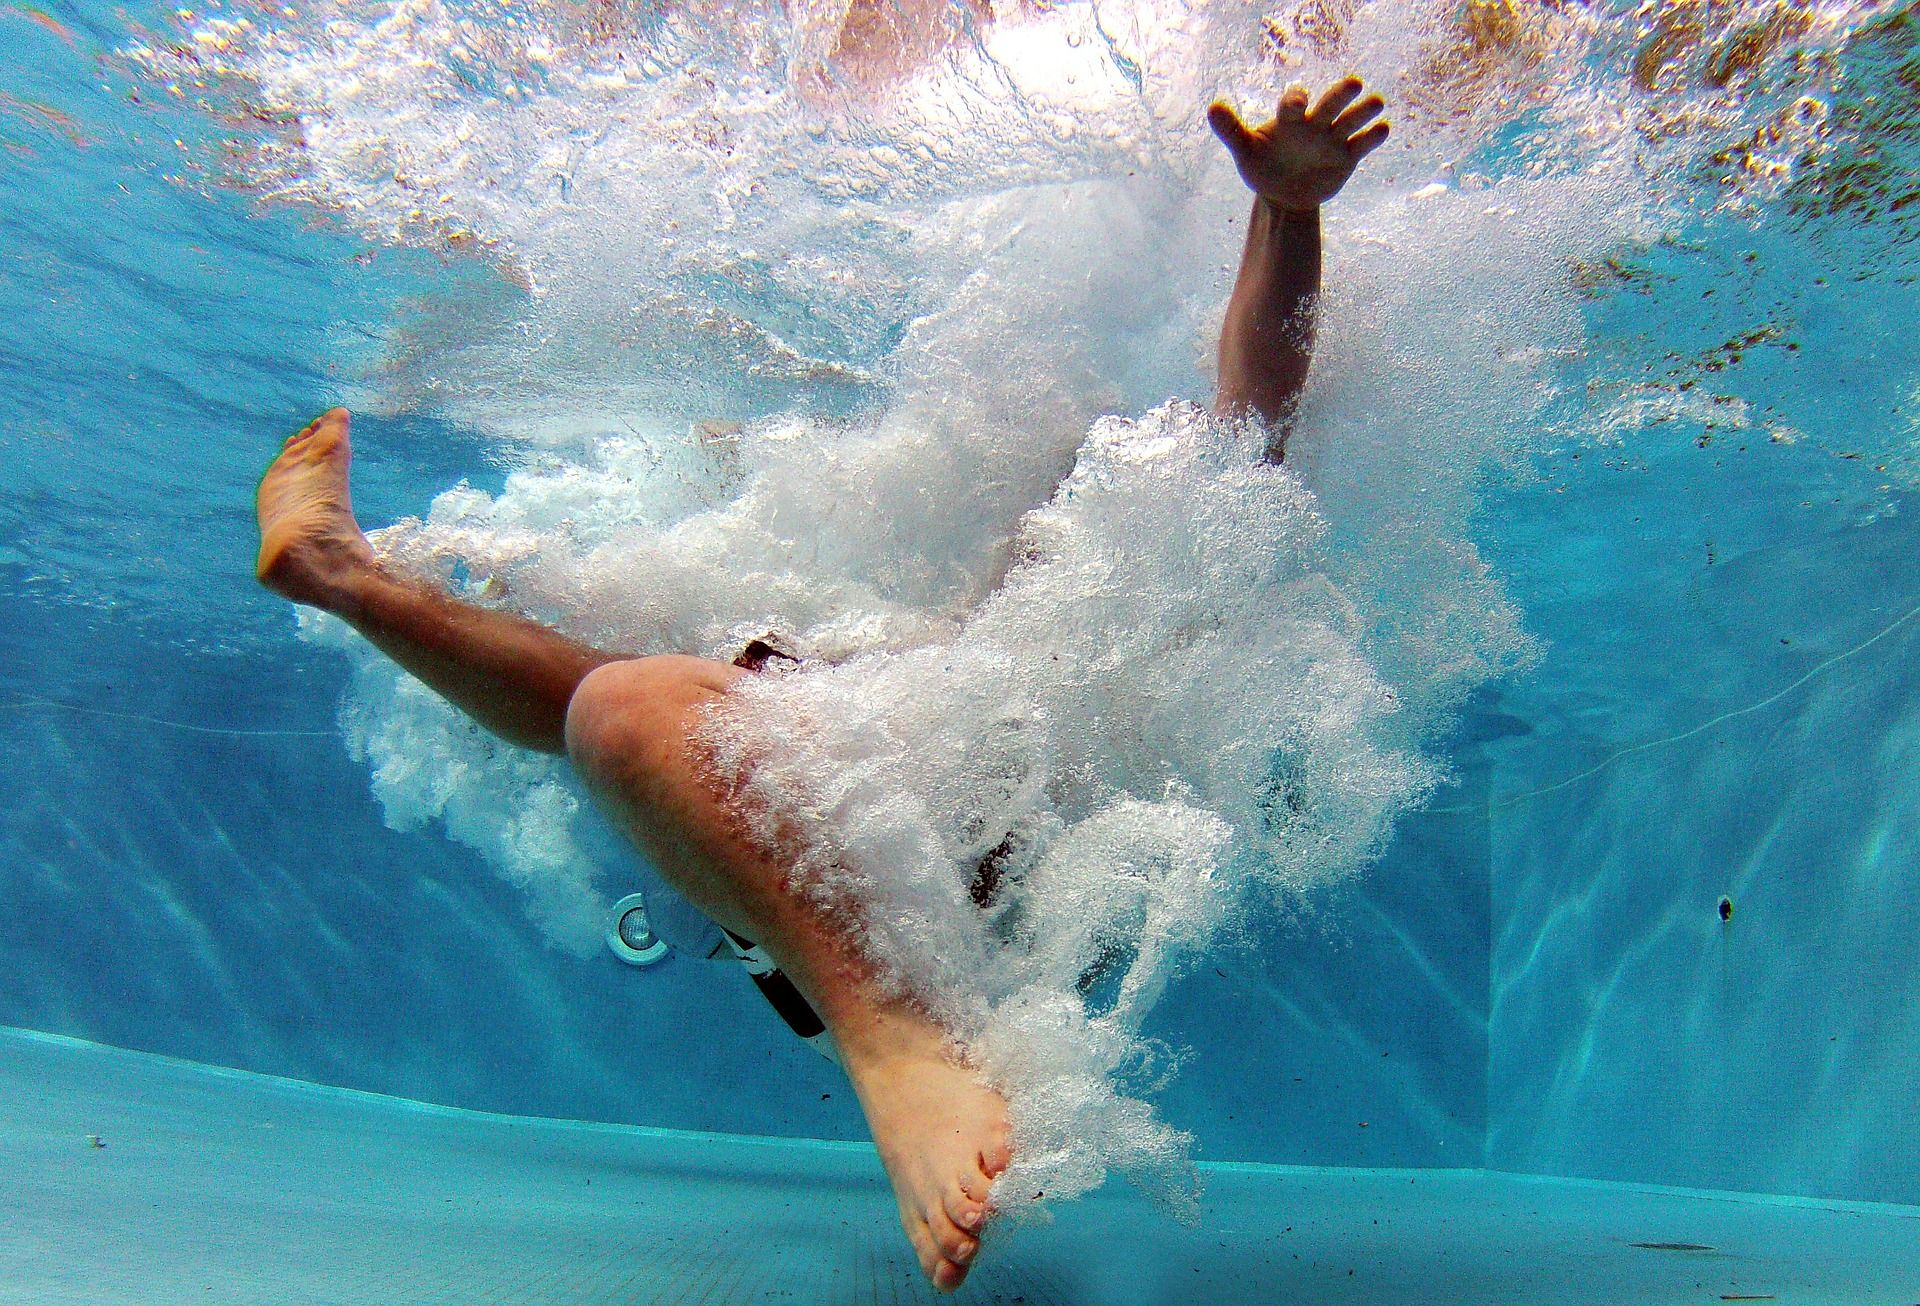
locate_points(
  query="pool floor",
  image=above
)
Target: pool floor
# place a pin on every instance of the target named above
(219, 1186)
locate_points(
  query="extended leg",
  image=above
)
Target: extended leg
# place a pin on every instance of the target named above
(513, 676)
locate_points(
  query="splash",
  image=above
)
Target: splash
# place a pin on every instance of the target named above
(1162, 707)
(812, 319)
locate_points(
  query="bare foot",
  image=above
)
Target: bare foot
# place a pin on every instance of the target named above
(943, 1136)
(309, 540)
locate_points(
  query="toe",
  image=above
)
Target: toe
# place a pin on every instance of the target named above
(930, 1258)
(995, 1157)
(947, 1276)
(967, 1211)
(974, 1184)
(954, 1244)
(323, 431)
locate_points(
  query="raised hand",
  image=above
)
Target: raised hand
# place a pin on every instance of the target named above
(1301, 157)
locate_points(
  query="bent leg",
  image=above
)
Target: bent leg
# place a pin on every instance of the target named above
(632, 733)
(513, 676)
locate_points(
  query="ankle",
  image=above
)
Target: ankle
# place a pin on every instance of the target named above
(343, 586)
(353, 589)
(888, 1040)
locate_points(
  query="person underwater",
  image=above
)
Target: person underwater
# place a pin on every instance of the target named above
(630, 726)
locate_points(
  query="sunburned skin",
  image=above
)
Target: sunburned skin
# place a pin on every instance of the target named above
(633, 727)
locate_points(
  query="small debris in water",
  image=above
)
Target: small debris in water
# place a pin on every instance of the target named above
(93, 1140)
(1726, 909)
(1674, 1247)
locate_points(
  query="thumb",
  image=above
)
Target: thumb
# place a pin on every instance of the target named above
(1227, 126)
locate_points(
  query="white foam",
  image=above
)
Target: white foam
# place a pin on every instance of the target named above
(1162, 708)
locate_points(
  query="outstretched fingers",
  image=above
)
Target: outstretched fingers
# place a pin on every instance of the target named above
(1367, 141)
(1357, 115)
(1226, 124)
(1302, 157)
(1334, 99)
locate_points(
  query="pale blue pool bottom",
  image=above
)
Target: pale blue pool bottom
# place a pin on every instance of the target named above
(221, 1186)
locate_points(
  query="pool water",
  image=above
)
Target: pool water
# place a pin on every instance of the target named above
(667, 322)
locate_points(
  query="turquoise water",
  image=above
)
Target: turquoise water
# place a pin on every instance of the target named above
(1613, 437)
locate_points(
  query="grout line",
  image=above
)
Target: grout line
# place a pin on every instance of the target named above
(1689, 733)
(187, 726)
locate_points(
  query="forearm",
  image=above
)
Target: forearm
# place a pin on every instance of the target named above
(1266, 342)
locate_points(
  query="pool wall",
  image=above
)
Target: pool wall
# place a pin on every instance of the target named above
(1743, 721)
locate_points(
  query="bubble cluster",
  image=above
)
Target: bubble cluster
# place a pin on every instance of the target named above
(1162, 708)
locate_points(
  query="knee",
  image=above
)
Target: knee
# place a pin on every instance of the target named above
(603, 716)
(621, 708)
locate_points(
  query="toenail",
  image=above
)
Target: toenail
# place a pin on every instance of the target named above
(964, 1254)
